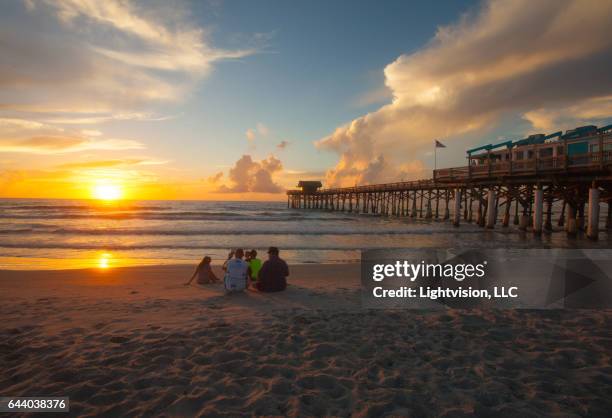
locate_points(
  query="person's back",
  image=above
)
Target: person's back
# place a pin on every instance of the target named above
(237, 271)
(273, 274)
(255, 265)
(206, 275)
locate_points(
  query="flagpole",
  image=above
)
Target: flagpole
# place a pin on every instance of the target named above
(435, 155)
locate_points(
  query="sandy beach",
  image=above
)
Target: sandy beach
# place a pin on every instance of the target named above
(136, 342)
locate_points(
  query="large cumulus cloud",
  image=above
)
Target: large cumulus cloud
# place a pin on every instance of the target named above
(548, 61)
(248, 175)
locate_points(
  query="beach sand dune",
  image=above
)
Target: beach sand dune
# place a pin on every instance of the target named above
(135, 342)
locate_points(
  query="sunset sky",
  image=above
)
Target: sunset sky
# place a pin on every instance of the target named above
(240, 99)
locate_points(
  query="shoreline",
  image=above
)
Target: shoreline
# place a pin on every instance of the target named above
(117, 259)
(153, 266)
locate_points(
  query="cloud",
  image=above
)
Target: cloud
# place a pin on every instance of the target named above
(64, 144)
(282, 145)
(260, 131)
(376, 96)
(103, 57)
(76, 118)
(516, 57)
(565, 117)
(215, 178)
(10, 124)
(111, 163)
(250, 135)
(34, 137)
(91, 132)
(253, 176)
(304, 173)
(351, 171)
(292, 177)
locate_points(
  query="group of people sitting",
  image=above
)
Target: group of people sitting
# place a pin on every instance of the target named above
(245, 270)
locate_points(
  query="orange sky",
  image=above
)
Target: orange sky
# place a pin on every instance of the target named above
(133, 185)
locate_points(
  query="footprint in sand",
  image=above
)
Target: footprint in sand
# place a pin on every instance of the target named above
(302, 320)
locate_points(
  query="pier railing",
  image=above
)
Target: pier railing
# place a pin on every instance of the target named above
(388, 187)
(584, 162)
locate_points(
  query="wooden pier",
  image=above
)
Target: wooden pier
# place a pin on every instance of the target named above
(522, 193)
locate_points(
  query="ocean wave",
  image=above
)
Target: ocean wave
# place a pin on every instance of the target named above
(170, 247)
(174, 216)
(212, 231)
(82, 207)
(15, 231)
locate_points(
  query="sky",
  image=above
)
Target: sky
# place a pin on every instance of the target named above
(238, 100)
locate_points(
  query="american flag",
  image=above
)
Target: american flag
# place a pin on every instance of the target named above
(440, 144)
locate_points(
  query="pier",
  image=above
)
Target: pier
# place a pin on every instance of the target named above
(514, 182)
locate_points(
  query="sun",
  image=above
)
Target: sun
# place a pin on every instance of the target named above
(106, 191)
(104, 261)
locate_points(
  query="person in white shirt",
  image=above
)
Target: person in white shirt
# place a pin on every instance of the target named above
(237, 272)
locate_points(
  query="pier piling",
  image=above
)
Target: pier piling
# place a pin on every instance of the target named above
(457, 211)
(561, 221)
(516, 212)
(571, 221)
(428, 214)
(469, 208)
(538, 210)
(446, 210)
(548, 221)
(580, 218)
(491, 204)
(593, 219)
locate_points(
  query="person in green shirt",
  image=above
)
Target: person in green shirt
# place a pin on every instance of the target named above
(254, 264)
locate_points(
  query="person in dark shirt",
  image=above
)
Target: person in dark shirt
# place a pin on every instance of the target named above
(273, 274)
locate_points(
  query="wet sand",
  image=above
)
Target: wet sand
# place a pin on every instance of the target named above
(136, 342)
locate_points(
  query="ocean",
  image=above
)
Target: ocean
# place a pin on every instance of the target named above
(58, 234)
